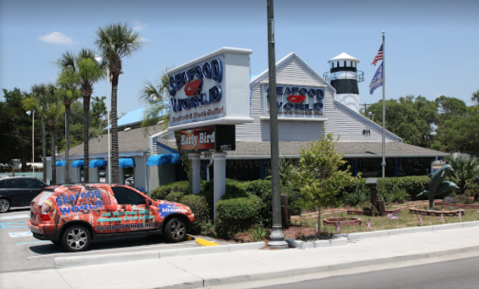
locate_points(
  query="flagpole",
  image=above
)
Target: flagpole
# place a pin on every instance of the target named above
(383, 164)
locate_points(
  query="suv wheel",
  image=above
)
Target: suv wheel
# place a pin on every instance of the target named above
(76, 238)
(175, 230)
(4, 205)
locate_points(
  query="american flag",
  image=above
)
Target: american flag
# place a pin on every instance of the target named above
(337, 227)
(442, 217)
(420, 219)
(369, 224)
(393, 216)
(460, 218)
(378, 56)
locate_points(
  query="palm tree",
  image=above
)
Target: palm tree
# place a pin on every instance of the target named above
(52, 110)
(39, 101)
(67, 90)
(88, 71)
(156, 98)
(466, 171)
(475, 97)
(114, 42)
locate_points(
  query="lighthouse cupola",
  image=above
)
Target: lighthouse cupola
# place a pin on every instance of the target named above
(344, 77)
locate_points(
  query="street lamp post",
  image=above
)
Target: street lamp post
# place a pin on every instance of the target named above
(32, 112)
(277, 236)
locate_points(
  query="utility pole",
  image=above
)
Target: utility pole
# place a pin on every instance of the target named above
(277, 236)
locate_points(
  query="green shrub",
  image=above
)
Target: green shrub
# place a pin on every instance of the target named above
(199, 207)
(234, 215)
(174, 197)
(161, 192)
(181, 186)
(356, 194)
(390, 188)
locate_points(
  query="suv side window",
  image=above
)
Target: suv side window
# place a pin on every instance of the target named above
(33, 184)
(1, 184)
(15, 184)
(126, 196)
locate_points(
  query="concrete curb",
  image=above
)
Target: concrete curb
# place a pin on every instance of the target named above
(77, 261)
(331, 268)
(386, 233)
(303, 245)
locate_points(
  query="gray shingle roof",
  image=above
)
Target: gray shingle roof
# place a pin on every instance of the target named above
(134, 140)
(349, 149)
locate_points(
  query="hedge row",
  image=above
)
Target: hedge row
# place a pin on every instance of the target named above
(250, 202)
(390, 189)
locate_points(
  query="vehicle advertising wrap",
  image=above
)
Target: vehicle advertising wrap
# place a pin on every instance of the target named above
(97, 206)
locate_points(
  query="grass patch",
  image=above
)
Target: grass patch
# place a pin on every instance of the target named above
(406, 220)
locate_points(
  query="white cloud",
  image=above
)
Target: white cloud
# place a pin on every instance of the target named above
(57, 38)
(144, 40)
(137, 25)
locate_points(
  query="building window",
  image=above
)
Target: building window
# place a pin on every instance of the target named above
(345, 63)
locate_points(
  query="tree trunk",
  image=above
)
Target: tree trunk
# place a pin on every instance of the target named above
(44, 150)
(86, 138)
(51, 124)
(318, 234)
(115, 170)
(67, 143)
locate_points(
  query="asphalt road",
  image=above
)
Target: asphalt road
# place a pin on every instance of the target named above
(20, 251)
(457, 274)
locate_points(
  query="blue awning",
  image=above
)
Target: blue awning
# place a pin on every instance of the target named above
(60, 163)
(166, 159)
(77, 164)
(97, 163)
(127, 163)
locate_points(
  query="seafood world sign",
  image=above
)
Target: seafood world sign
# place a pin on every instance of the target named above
(213, 89)
(296, 101)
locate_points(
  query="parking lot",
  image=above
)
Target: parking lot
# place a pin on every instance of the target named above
(21, 251)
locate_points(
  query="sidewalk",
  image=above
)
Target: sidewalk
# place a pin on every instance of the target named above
(155, 270)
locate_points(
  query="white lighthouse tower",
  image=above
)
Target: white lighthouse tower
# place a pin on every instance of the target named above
(344, 77)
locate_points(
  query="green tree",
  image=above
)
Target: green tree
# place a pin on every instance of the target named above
(67, 90)
(460, 133)
(475, 97)
(16, 128)
(39, 100)
(114, 42)
(411, 118)
(53, 109)
(157, 99)
(88, 71)
(319, 175)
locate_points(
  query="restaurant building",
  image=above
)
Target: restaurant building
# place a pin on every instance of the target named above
(309, 106)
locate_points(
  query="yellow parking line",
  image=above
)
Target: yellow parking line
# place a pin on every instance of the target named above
(204, 242)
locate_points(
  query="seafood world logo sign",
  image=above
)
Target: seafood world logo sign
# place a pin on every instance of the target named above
(196, 93)
(296, 101)
(212, 89)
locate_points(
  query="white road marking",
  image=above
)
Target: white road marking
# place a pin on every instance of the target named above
(14, 217)
(115, 250)
(20, 234)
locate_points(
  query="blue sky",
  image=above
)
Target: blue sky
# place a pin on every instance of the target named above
(431, 46)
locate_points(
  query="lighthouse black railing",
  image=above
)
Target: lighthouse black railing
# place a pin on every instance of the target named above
(329, 77)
